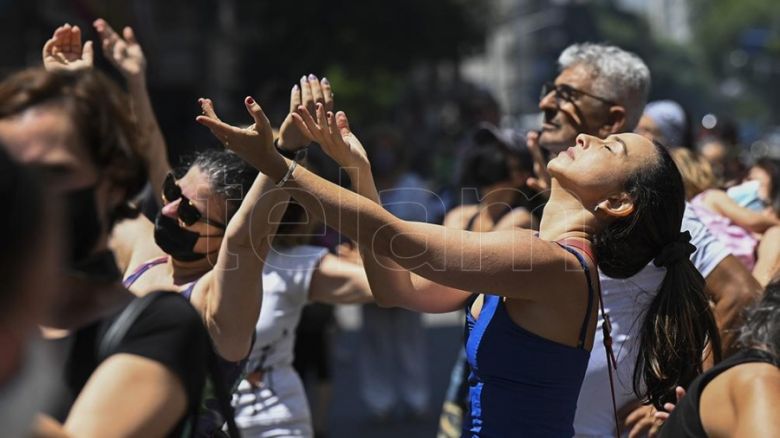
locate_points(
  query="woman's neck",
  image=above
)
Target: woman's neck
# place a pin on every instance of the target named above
(185, 272)
(566, 217)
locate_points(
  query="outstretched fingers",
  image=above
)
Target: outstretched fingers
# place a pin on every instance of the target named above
(88, 53)
(316, 89)
(295, 98)
(257, 113)
(343, 124)
(75, 39)
(209, 119)
(129, 35)
(311, 124)
(298, 120)
(327, 94)
(207, 107)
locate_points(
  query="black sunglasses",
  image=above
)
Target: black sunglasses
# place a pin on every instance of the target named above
(568, 93)
(187, 211)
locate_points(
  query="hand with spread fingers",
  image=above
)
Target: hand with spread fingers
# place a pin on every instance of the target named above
(252, 144)
(308, 93)
(63, 52)
(333, 134)
(124, 52)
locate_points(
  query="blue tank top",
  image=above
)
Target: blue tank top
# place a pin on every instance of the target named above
(521, 384)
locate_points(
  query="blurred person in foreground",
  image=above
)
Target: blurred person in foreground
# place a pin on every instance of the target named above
(29, 262)
(739, 396)
(602, 90)
(146, 378)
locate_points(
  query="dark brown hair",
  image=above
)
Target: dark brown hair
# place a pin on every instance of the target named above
(679, 324)
(98, 107)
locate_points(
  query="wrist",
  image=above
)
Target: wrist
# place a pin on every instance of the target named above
(136, 82)
(285, 149)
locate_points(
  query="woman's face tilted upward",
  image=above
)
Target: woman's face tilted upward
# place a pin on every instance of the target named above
(596, 170)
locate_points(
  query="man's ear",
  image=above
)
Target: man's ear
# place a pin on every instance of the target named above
(615, 122)
(617, 206)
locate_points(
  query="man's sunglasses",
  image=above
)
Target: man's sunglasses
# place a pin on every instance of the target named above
(568, 93)
(187, 212)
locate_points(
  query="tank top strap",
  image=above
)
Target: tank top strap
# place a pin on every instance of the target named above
(187, 292)
(142, 269)
(577, 248)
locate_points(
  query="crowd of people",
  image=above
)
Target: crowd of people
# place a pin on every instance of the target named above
(614, 278)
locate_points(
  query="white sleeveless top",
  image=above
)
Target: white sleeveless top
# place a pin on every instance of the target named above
(625, 301)
(279, 405)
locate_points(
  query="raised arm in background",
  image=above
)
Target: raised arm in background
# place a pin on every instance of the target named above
(125, 53)
(391, 285)
(229, 296)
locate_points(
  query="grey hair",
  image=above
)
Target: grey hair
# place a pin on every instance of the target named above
(618, 75)
(761, 329)
(229, 176)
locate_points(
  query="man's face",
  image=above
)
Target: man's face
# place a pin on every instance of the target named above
(564, 119)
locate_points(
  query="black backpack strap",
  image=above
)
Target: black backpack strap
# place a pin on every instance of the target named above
(222, 393)
(119, 328)
(117, 332)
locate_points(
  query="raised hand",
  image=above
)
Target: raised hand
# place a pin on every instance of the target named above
(308, 93)
(64, 52)
(125, 53)
(332, 132)
(252, 144)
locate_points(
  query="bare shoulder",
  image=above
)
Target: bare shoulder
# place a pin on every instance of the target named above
(759, 375)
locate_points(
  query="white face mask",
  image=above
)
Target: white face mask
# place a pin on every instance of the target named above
(23, 396)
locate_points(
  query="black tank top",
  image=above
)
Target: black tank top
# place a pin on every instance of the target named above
(685, 420)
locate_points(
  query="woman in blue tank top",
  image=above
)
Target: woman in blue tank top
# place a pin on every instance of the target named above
(532, 315)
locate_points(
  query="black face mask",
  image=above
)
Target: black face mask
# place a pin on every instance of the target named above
(82, 223)
(176, 241)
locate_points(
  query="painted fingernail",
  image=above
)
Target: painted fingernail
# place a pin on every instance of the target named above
(325, 81)
(312, 77)
(303, 78)
(250, 100)
(295, 87)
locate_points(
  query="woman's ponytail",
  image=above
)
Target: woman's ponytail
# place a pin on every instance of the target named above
(677, 327)
(679, 324)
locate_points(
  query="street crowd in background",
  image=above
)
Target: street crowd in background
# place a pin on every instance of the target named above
(617, 266)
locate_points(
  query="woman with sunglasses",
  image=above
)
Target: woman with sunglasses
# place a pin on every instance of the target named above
(211, 237)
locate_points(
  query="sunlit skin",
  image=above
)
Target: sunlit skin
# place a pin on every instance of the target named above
(585, 115)
(195, 186)
(589, 168)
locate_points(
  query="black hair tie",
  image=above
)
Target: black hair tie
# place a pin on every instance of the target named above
(675, 251)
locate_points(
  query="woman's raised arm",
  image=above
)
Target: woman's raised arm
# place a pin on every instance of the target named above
(495, 263)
